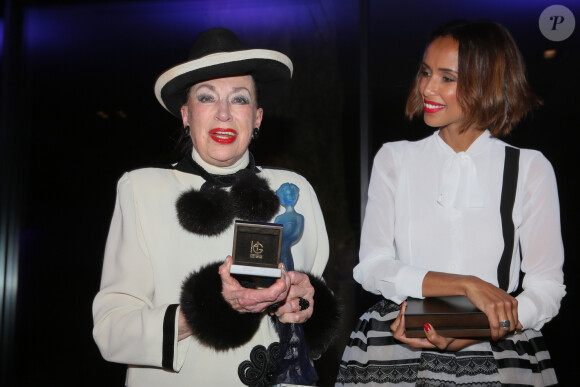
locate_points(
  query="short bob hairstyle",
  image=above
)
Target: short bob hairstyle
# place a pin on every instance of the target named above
(492, 88)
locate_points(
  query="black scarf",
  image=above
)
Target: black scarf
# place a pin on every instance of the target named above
(211, 209)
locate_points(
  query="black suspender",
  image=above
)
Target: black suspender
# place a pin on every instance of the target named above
(508, 196)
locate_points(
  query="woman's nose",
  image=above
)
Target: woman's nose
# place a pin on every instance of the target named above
(429, 86)
(223, 112)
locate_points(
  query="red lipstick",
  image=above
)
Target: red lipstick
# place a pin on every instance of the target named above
(223, 135)
(432, 107)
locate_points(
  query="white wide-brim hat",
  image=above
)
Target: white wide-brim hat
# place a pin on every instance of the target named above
(217, 53)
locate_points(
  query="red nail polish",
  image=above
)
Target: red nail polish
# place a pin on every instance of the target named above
(427, 327)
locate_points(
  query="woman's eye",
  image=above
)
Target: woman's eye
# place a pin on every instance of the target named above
(240, 100)
(205, 98)
(424, 73)
(449, 79)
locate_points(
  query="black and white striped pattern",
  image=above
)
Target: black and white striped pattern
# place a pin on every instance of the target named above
(374, 357)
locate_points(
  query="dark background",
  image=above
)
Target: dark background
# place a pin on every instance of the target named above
(78, 110)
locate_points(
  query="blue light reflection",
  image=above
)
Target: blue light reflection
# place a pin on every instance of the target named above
(1, 37)
(78, 27)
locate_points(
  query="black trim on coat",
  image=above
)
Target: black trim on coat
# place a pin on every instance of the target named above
(168, 337)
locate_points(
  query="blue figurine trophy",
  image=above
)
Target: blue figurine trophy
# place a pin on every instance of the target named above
(294, 365)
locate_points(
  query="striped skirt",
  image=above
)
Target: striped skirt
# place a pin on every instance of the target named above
(373, 357)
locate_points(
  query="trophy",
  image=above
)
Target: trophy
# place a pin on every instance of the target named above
(294, 366)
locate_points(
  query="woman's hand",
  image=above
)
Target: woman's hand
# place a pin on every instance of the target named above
(432, 339)
(496, 304)
(290, 311)
(246, 300)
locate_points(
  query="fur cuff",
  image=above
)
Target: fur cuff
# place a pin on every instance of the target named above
(322, 328)
(212, 320)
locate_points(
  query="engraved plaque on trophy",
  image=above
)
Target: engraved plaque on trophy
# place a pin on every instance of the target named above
(256, 250)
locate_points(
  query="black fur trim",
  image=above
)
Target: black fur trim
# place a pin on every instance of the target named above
(212, 320)
(206, 212)
(253, 199)
(322, 328)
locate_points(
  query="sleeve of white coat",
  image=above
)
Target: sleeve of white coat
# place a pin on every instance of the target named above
(379, 271)
(541, 246)
(128, 329)
(320, 239)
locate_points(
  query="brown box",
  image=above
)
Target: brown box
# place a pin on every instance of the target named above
(451, 316)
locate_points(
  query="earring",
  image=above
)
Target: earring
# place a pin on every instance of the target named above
(186, 131)
(255, 133)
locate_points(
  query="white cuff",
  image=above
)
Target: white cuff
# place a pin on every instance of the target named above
(409, 281)
(180, 346)
(527, 312)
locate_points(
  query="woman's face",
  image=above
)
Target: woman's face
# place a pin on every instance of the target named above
(438, 84)
(221, 114)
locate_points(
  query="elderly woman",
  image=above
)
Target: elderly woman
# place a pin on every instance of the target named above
(168, 306)
(451, 215)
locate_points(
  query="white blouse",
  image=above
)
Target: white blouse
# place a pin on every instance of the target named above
(432, 209)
